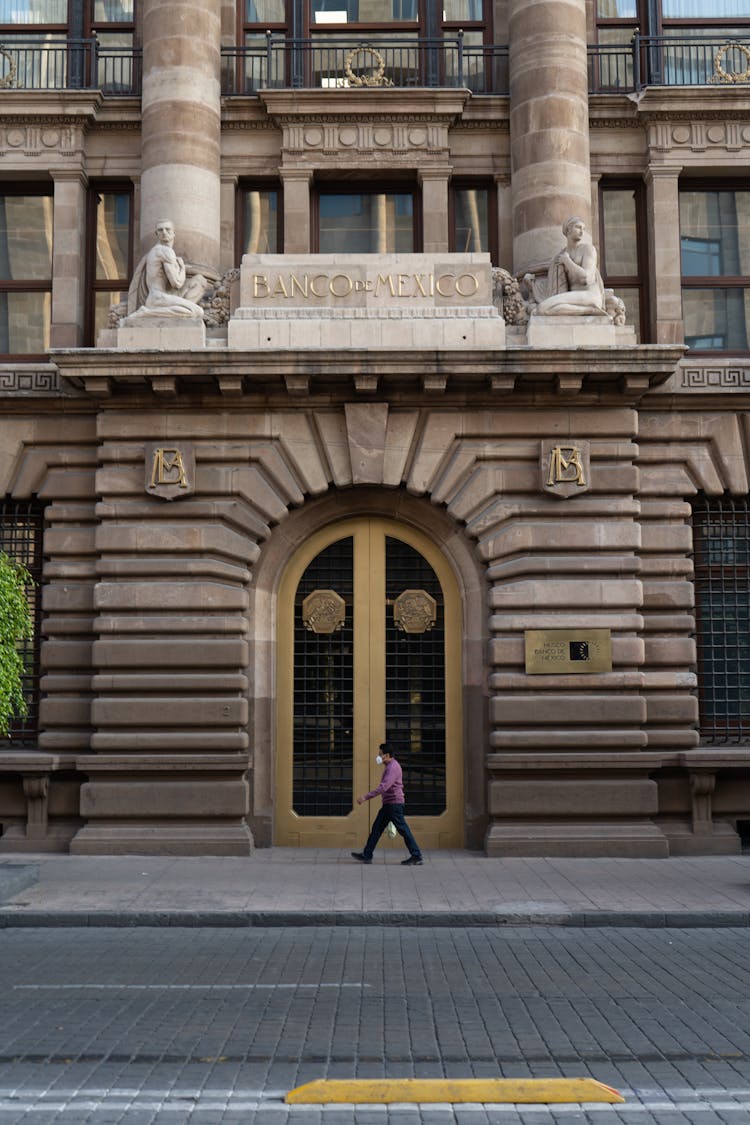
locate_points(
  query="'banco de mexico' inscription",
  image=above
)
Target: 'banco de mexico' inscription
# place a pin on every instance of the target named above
(355, 281)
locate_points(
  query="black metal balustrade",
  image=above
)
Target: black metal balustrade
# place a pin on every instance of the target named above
(68, 64)
(669, 60)
(339, 62)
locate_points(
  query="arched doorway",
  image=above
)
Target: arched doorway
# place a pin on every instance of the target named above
(369, 647)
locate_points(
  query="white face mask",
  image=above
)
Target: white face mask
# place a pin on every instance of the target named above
(378, 760)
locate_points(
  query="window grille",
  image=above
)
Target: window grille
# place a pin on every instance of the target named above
(721, 544)
(21, 526)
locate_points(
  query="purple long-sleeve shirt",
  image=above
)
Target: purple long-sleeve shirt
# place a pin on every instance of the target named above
(391, 788)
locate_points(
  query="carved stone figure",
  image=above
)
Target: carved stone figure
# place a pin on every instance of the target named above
(574, 284)
(163, 285)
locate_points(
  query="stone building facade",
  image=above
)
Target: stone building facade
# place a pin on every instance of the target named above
(371, 493)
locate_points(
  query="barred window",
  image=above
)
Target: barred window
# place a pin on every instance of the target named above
(721, 545)
(21, 525)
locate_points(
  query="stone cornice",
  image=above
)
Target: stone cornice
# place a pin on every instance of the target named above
(364, 105)
(525, 375)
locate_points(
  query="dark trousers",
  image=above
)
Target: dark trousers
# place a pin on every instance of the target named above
(396, 814)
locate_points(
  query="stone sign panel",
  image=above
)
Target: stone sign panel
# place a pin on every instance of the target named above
(370, 281)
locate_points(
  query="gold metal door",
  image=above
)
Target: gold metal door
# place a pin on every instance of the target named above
(369, 648)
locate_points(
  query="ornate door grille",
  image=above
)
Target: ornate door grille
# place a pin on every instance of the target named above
(721, 543)
(21, 526)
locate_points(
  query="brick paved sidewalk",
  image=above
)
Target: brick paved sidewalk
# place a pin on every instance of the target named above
(290, 886)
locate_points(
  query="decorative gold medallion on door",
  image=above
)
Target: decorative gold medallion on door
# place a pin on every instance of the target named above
(369, 648)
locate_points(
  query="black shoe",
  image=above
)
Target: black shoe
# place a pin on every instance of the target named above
(362, 857)
(412, 861)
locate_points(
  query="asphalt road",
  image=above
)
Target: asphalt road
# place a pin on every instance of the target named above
(213, 1026)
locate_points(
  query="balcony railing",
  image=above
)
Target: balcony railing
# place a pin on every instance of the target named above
(669, 60)
(68, 64)
(339, 62)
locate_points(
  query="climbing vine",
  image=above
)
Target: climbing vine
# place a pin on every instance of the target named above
(15, 625)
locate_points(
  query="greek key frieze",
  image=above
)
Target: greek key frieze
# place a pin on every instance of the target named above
(33, 382)
(716, 378)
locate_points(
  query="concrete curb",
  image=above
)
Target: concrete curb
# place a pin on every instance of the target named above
(15, 917)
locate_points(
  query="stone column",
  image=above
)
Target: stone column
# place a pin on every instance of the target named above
(664, 253)
(435, 234)
(68, 262)
(180, 177)
(548, 125)
(296, 183)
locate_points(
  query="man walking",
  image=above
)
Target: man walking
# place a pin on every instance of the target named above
(391, 793)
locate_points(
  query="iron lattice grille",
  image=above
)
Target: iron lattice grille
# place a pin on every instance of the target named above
(415, 684)
(323, 765)
(721, 544)
(21, 526)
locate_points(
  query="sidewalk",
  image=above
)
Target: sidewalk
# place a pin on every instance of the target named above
(287, 886)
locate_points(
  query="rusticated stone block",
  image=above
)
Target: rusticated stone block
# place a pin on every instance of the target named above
(66, 654)
(166, 798)
(556, 796)
(147, 652)
(672, 708)
(177, 596)
(65, 711)
(558, 710)
(670, 650)
(667, 594)
(166, 712)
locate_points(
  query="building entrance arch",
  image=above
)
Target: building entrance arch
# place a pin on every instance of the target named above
(369, 631)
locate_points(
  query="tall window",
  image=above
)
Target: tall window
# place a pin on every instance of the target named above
(110, 253)
(112, 22)
(337, 42)
(721, 546)
(622, 262)
(21, 524)
(49, 44)
(685, 38)
(366, 222)
(473, 218)
(715, 251)
(25, 270)
(259, 222)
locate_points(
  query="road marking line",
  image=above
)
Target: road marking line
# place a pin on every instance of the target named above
(177, 987)
(538, 1091)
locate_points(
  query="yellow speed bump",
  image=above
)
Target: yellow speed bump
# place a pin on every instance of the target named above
(379, 1091)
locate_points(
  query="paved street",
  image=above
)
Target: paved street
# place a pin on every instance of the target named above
(214, 1026)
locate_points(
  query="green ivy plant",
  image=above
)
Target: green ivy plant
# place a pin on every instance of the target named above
(15, 625)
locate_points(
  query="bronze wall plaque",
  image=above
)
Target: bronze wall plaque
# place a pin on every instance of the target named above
(576, 651)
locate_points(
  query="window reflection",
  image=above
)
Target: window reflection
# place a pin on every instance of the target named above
(112, 235)
(471, 220)
(366, 222)
(260, 221)
(25, 237)
(109, 271)
(716, 319)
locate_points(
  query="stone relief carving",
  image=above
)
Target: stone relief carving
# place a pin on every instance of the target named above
(508, 298)
(163, 284)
